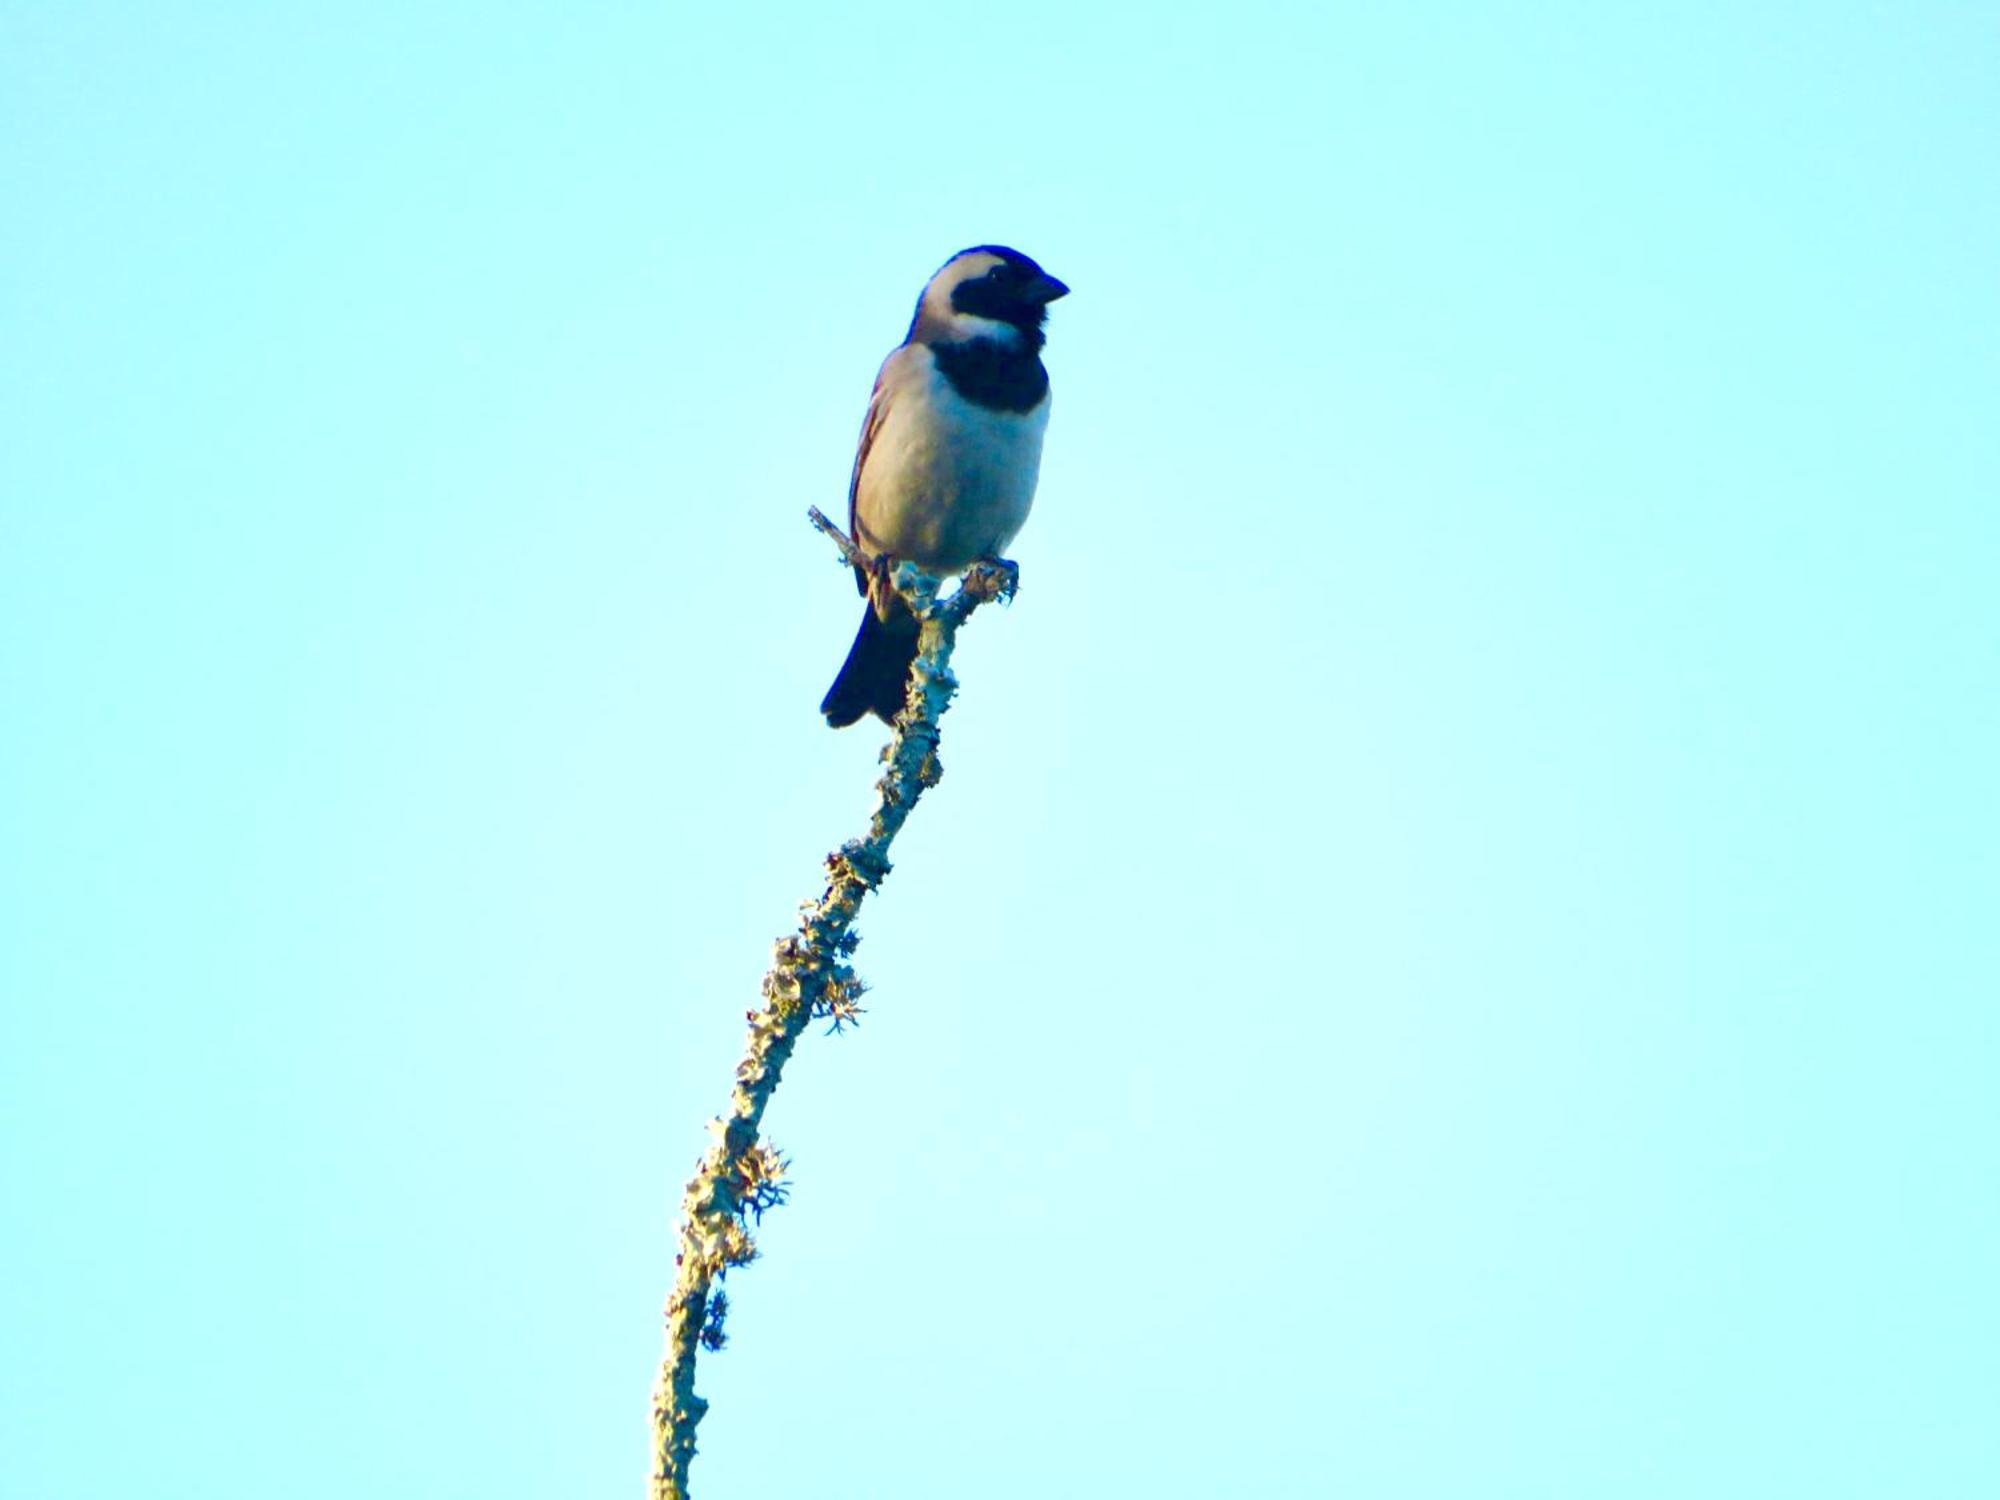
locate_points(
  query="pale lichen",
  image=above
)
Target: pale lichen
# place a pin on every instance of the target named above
(741, 1177)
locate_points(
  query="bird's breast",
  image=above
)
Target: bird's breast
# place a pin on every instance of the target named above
(946, 480)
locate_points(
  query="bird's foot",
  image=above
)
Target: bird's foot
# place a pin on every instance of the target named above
(882, 593)
(992, 578)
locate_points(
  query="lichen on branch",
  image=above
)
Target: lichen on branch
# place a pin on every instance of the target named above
(741, 1176)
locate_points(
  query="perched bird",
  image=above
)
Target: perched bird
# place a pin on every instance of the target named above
(950, 451)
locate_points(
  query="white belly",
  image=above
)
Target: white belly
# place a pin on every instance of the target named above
(947, 482)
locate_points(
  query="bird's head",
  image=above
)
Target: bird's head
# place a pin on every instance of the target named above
(987, 292)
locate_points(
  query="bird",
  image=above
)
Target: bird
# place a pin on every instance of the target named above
(950, 451)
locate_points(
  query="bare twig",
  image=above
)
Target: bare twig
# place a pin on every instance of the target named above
(848, 548)
(740, 1176)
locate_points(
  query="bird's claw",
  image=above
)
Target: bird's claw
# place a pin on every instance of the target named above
(882, 593)
(993, 578)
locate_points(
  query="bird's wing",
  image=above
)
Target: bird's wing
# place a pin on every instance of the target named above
(879, 399)
(878, 407)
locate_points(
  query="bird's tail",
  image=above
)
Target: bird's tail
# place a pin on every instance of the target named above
(877, 670)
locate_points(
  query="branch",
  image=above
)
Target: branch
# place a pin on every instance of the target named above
(740, 1176)
(848, 549)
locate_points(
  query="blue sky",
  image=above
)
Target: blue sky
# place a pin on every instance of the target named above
(1454, 956)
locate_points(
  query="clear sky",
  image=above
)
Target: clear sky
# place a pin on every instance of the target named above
(1456, 953)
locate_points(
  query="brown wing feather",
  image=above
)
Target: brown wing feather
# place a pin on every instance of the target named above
(878, 406)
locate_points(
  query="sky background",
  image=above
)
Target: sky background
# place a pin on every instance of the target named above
(1456, 952)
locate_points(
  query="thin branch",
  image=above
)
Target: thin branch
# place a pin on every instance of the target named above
(740, 1176)
(848, 549)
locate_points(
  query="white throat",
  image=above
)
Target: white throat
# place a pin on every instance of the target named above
(965, 327)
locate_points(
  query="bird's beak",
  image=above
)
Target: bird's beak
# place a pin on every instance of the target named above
(1044, 288)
